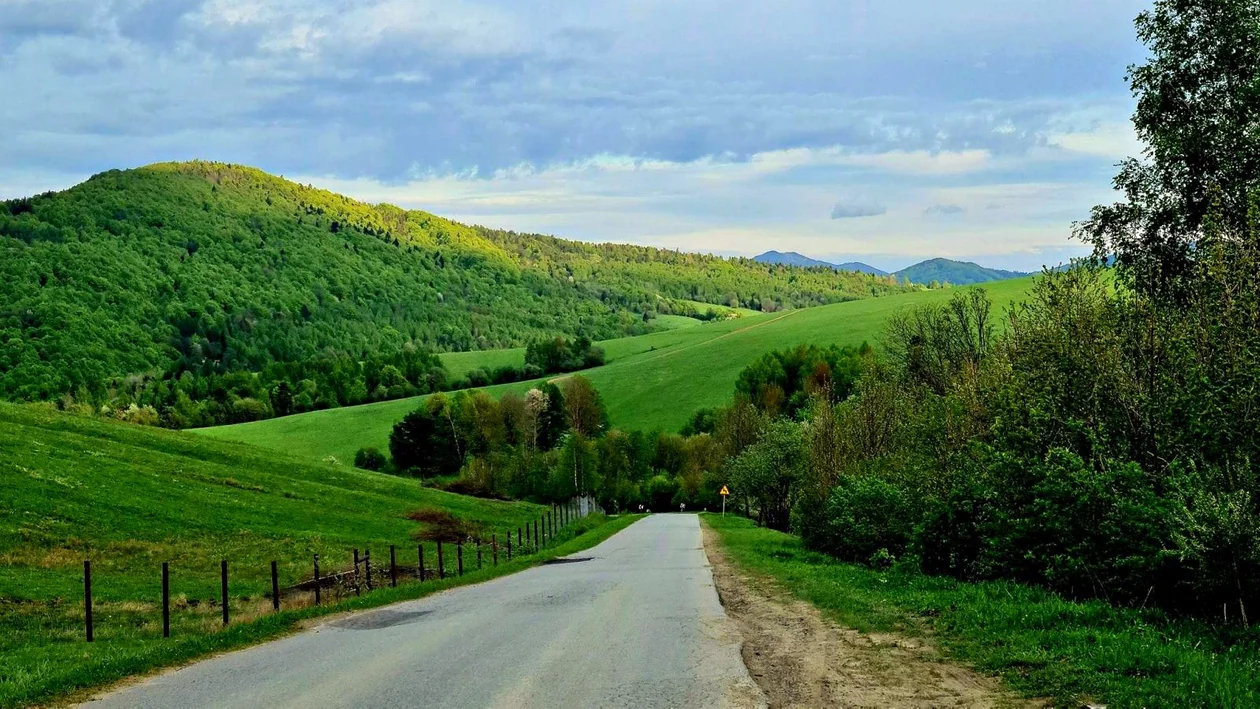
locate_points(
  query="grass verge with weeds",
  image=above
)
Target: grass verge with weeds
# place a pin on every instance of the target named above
(1041, 644)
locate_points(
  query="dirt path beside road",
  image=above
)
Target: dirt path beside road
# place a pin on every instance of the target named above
(801, 659)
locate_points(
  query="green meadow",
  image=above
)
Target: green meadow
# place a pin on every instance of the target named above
(130, 497)
(654, 381)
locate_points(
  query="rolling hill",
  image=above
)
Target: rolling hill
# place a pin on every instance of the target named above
(654, 381)
(210, 268)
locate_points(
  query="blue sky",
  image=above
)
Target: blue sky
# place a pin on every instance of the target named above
(881, 130)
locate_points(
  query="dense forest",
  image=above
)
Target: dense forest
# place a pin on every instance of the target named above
(199, 272)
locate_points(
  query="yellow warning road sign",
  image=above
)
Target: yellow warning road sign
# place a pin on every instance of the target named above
(724, 491)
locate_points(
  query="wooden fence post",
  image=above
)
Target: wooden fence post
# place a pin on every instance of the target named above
(479, 553)
(223, 579)
(494, 548)
(420, 555)
(441, 564)
(166, 599)
(535, 535)
(87, 598)
(356, 572)
(393, 567)
(459, 558)
(317, 584)
(509, 545)
(275, 588)
(518, 539)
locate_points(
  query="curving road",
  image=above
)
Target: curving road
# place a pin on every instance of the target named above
(634, 621)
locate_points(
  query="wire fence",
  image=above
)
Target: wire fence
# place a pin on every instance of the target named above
(329, 585)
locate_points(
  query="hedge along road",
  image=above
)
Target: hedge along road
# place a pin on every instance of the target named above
(634, 621)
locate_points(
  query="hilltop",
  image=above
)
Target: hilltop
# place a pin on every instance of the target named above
(209, 269)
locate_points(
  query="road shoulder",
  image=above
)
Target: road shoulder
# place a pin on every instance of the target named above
(800, 658)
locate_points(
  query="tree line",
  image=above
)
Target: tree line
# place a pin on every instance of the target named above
(554, 441)
(187, 398)
(1103, 441)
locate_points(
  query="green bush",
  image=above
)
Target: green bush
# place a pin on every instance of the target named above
(370, 459)
(863, 517)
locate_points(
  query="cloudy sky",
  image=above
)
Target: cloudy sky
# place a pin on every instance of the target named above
(881, 130)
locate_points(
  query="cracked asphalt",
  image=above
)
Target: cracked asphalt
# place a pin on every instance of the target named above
(635, 621)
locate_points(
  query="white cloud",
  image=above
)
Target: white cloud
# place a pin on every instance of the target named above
(922, 162)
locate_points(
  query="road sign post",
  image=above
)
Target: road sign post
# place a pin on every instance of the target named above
(724, 493)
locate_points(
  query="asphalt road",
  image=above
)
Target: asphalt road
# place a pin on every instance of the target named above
(634, 621)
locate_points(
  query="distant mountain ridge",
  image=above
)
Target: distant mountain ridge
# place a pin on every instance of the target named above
(792, 258)
(942, 270)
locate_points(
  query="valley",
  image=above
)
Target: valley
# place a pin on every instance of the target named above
(651, 382)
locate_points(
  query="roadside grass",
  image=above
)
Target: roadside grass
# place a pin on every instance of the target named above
(130, 497)
(1041, 644)
(650, 382)
(128, 638)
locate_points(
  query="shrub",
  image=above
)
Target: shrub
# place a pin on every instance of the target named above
(438, 525)
(864, 516)
(369, 459)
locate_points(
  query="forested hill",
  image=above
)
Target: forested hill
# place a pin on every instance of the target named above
(213, 268)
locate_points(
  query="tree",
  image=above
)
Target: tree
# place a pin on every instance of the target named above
(426, 440)
(552, 421)
(1198, 114)
(282, 399)
(771, 470)
(584, 408)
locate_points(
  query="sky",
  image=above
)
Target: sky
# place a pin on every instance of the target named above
(886, 131)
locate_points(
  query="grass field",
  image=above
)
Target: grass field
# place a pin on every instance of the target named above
(129, 498)
(1039, 643)
(650, 382)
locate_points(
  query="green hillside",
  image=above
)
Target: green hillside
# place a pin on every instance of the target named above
(209, 268)
(129, 497)
(650, 382)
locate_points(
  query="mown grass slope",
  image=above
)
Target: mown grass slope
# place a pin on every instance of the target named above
(653, 381)
(129, 498)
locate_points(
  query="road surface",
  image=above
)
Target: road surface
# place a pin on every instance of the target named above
(634, 621)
